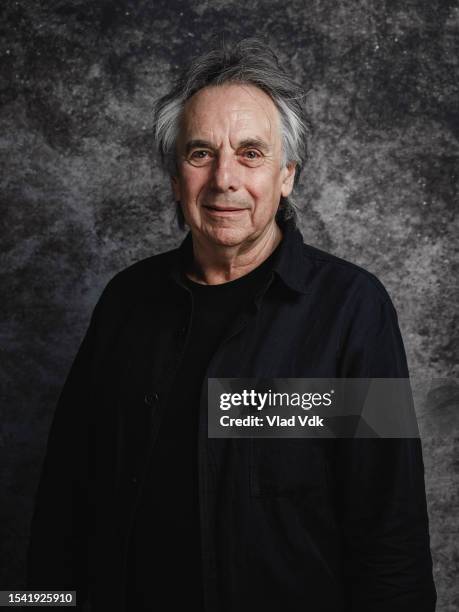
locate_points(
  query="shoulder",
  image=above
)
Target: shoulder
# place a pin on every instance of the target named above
(141, 279)
(347, 281)
(369, 342)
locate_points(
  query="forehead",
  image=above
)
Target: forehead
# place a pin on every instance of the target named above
(240, 110)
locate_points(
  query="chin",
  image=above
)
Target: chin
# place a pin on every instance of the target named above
(226, 236)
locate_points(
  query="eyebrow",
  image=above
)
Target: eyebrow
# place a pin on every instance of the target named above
(258, 143)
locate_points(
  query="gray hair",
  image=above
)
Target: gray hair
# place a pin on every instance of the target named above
(249, 61)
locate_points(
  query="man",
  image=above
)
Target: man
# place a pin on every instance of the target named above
(138, 509)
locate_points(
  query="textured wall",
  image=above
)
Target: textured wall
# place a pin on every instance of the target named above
(82, 197)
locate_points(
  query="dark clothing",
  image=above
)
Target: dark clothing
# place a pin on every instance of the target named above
(293, 524)
(165, 542)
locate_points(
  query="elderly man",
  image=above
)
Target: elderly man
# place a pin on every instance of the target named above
(138, 509)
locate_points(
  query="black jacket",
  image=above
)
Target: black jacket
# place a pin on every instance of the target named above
(290, 524)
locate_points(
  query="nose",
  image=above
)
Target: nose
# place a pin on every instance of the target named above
(226, 172)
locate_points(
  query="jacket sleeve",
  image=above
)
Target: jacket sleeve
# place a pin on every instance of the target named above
(58, 544)
(380, 482)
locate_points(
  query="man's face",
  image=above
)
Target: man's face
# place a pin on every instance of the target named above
(229, 154)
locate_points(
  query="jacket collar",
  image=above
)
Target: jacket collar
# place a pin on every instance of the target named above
(289, 265)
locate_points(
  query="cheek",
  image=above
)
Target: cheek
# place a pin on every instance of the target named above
(264, 190)
(192, 183)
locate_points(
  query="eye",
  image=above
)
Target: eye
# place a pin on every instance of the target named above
(252, 157)
(199, 157)
(199, 154)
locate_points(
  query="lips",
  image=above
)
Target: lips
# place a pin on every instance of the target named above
(223, 208)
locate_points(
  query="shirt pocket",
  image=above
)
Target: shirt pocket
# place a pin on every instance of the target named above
(286, 467)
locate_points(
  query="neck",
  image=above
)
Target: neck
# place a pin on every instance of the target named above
(214, 264)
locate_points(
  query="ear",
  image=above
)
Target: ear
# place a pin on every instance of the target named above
(175, 184)
(289, 177)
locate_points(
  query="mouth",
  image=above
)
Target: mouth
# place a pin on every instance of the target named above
(223, 209)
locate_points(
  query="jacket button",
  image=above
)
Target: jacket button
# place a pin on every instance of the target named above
(151, 398)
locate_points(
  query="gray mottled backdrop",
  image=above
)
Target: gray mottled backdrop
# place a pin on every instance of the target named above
(82, 196)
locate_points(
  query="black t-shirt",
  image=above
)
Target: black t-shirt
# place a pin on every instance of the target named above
(165, 559)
